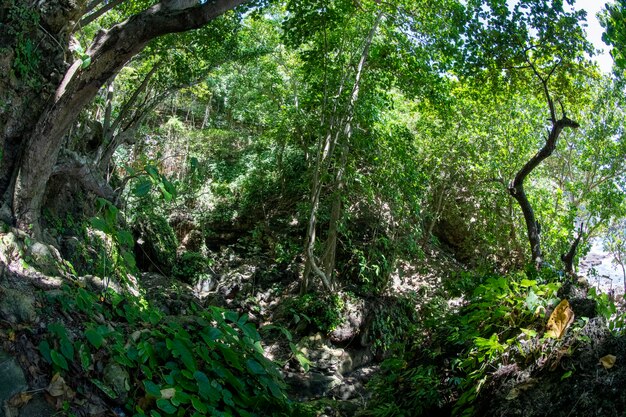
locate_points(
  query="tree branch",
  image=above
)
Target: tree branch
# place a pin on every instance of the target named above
(93, 16)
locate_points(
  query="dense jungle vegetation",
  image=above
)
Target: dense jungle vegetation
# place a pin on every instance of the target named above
(309, 208)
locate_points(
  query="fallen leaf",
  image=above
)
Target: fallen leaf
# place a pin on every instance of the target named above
(560, 319)
(18, 400)
(58, 388)
(608, 361)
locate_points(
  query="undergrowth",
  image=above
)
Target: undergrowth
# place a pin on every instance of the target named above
(457, 350)
(210, 363)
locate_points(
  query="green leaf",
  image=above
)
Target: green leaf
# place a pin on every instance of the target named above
(44, 348)
(86, 62)
(104, 388)
(58, 360)
(166, 406)
(152, 389)
(124, 237)
(142, 188)
(169, 187)
(94, 337)
(179, 349)
(99, 223)
(204, 387)
(255, 367)
(231, 356)
(231, 316)
(129, 258)
(200, 406)
(152, 171)
(67, 349)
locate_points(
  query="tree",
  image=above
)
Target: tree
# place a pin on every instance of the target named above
(615, 244)
(546, 40)
(35, 141)
(351, 50)
(612, 19)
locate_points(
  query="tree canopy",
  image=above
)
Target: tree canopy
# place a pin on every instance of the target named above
(431, 175)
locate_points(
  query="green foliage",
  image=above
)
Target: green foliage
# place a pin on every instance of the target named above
(395, 324)
(608, 309)
(190, 266)
(21, 25)
(322, 312)
(152, 179)
(122, 241)
(612, 19)
(211, 363)
(422, 383)
(485, 333)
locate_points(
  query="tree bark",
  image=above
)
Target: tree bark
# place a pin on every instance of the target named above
(568, 258)
(109, 52)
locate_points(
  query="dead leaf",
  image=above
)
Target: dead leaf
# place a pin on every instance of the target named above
(560, 319)
(608, 361)
(19, 400)
(58, 388)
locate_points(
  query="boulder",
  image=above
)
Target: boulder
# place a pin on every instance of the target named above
(37, 407)
(116, 378)
(17, 306)
(353, 322)
(45, 258)
(12, 379)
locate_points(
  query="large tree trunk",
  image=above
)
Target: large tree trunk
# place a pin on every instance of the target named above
(109, 52)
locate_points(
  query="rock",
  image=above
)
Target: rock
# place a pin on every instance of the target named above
(354, 384)
(45, 258)
(206, 284)
(12, 379)
(37, 407)
(116, 377)
(17, 306)
(331, 360)
(312, 384)
(193, 241)
(10, 248)
(353, 322)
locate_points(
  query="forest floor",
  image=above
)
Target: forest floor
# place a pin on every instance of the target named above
(565, 379)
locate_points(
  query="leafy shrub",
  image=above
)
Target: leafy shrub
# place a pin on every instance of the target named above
(208, 364)
(189, 267)
(394, 323)
(485, 333)
(322, 312)
(421, 382)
